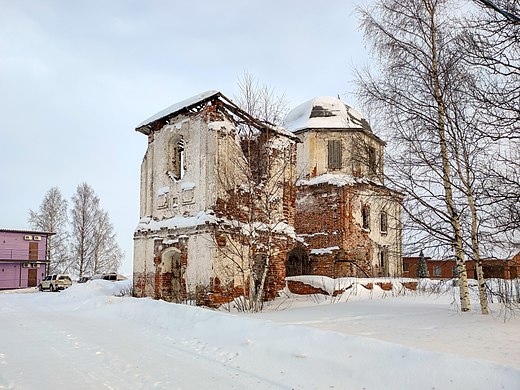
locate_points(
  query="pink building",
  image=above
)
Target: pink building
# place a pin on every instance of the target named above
(23, 258)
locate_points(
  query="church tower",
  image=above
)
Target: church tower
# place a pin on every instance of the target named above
(350, 221)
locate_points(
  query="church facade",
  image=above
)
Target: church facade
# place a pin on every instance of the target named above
(217, 204)
(231, 205)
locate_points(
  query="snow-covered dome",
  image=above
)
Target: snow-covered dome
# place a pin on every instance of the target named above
(324, 112)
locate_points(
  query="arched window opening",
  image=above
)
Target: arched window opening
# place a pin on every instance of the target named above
(365, 216)
(383, 262)
(298, 263)
(383, 221)
(177, 158)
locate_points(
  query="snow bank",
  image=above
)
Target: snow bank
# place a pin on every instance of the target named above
(122, 342)
(300, 357)
(98, 287)
(360, 288)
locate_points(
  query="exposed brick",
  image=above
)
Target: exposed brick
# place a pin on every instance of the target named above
(304, 289)
(386, 286)
(324, 217)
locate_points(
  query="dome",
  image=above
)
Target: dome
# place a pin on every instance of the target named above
(324, 112)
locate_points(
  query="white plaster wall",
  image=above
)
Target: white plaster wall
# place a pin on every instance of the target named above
(143, 255)
(199, 177)
(313, 151)
(392, 239)
(208, 147)
(199, 269)
(232, 265)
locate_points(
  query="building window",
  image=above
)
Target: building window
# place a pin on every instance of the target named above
(383, 221)
(437, 270)
(383, 262)
(406, 267)
(334, 154)
(372, 159)
(455, 271)
(365, 215)
(176, 163)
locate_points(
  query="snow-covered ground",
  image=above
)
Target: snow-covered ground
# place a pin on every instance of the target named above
(87, 338)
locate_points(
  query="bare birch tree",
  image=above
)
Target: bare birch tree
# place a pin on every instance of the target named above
(492, 51)
(256, 173)
(413, 41)
(107, 254)
(470, 154)
(84, 214)
(52, 217)
(254, 222)
(93, 245)
(261, 101)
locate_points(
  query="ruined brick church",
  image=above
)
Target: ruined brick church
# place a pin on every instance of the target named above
(231, 205)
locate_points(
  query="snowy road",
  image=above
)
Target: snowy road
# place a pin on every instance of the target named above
(85, 338)
(56, 349)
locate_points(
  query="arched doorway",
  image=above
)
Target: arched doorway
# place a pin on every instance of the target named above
(297, 263)
(170, 274)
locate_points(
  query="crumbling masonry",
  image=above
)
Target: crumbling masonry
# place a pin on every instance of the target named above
(217, 204)
(231, 205)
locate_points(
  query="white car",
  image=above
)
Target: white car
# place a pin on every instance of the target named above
(55, 282)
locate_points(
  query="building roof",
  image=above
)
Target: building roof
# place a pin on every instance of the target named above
(178, 107)
(325, 112)
(186, 105)
(27, 231)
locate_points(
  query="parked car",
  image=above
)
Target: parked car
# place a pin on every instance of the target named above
(55, 282)
(112, 276)
(84, 279)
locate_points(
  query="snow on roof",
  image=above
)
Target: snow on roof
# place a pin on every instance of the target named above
(179, 106)
(27, 231)
(324, 112)
(176, 222)
(324, 251)
(335, 179)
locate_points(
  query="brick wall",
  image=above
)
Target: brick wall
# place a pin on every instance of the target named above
(325, 218)
(144, 284)
(444, 269)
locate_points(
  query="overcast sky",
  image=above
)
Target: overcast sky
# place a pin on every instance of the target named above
(76, 77)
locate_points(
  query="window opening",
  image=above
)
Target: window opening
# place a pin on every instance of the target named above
(372, 159)
(383, 262)
(177, 158)
(383, 221)
(365, 215)
(334, 154)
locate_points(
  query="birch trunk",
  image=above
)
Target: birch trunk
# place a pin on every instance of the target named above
(476, 255)
(465, 176)
(457, 241)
